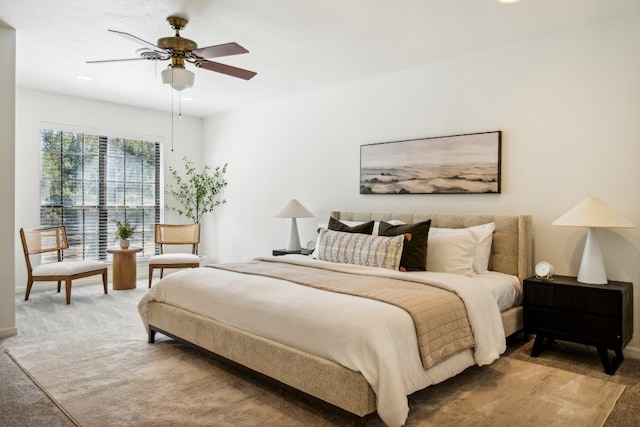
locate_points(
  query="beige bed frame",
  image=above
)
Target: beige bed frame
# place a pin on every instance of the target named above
(321, 378)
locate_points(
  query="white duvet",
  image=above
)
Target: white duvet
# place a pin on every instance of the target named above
(371, 337)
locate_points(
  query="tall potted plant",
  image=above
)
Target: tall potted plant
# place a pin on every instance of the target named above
(197, 192)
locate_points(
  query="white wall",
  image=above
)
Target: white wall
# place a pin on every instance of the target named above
(7, 183)
(568, 106)
(36, 109)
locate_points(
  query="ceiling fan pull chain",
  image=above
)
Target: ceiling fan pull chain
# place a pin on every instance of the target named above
(171, 112)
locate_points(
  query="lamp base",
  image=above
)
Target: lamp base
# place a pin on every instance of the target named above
(592, 267)
(294, 238)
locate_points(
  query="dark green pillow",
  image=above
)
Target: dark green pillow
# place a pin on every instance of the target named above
(414, 253)
(335, 225)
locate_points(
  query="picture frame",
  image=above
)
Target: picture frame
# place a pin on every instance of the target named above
(456, 164)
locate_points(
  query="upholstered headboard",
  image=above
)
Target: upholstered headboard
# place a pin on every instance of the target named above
(511, 250)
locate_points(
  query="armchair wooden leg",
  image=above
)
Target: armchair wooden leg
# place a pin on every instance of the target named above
(67, 288)
(104, 281)
(150, 275)
(59, 283)
(28, 291)
(161, 272)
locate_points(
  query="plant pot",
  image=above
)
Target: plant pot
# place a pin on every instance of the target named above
(124, 243)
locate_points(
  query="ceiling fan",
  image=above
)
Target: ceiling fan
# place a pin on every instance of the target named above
(180, 50)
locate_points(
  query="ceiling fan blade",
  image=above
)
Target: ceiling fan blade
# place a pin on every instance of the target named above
(226, 69)
(137, 40)
(115, 60)
(217, 51)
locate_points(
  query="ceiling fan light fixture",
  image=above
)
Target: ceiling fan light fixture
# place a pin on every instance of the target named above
(178, 78)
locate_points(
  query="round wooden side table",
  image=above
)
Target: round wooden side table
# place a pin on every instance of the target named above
(124, 267)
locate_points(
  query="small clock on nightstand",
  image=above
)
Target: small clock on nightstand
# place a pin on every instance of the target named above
(544, 270)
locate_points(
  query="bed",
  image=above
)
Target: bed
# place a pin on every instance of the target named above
(314, 373)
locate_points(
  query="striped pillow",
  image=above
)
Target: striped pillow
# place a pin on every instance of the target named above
(361, 249)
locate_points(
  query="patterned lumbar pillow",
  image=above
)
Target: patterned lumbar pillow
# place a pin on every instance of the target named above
(360, 249)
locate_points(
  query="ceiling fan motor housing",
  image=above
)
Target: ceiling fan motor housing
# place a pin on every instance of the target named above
(177, 44)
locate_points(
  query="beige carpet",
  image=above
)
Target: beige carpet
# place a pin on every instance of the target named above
(125, 381)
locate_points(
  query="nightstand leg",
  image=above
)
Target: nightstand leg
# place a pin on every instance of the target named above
(539, 344)
(610, 365)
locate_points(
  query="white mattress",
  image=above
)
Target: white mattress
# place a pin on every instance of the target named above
(384, 348)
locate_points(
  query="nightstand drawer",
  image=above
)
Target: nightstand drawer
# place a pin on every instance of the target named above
(573, 298)
(592, 301)
(587, 327)
(573, 324)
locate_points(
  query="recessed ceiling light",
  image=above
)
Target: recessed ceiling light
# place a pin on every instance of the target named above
(84, 78)
(508, 1)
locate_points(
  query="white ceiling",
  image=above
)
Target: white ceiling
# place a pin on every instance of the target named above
(295, 46)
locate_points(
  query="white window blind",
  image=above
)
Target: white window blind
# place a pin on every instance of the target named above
(89, 181)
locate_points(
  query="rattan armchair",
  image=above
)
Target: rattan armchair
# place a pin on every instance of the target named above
(54, 239)
(175, 234)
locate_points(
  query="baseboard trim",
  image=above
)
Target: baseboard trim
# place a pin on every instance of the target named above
(8, 332)
(632, 352)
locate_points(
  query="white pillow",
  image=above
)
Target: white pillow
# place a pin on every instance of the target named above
(361, 249)
(451, 250)
(484, 239)
(484, 236)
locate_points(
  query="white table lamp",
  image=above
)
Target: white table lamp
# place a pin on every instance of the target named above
(593, 213)
(294, 209)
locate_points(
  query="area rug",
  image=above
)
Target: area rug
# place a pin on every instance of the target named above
(119, 381)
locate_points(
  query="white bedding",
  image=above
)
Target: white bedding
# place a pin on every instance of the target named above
(383, 348)
(506, 289)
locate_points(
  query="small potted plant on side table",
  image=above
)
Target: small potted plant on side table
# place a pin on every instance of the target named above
(125, 230)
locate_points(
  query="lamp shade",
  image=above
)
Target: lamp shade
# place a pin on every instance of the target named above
(593, 212)
(294, 209)
(178, 78)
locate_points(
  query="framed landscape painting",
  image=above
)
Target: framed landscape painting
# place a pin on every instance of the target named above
(458, 164)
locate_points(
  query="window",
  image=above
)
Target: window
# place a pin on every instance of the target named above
(89, 181)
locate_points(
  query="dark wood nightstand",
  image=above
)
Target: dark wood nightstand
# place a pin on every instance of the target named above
(596, 315)
(279, 252)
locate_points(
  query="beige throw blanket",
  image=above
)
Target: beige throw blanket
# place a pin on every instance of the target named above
(440, 317)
